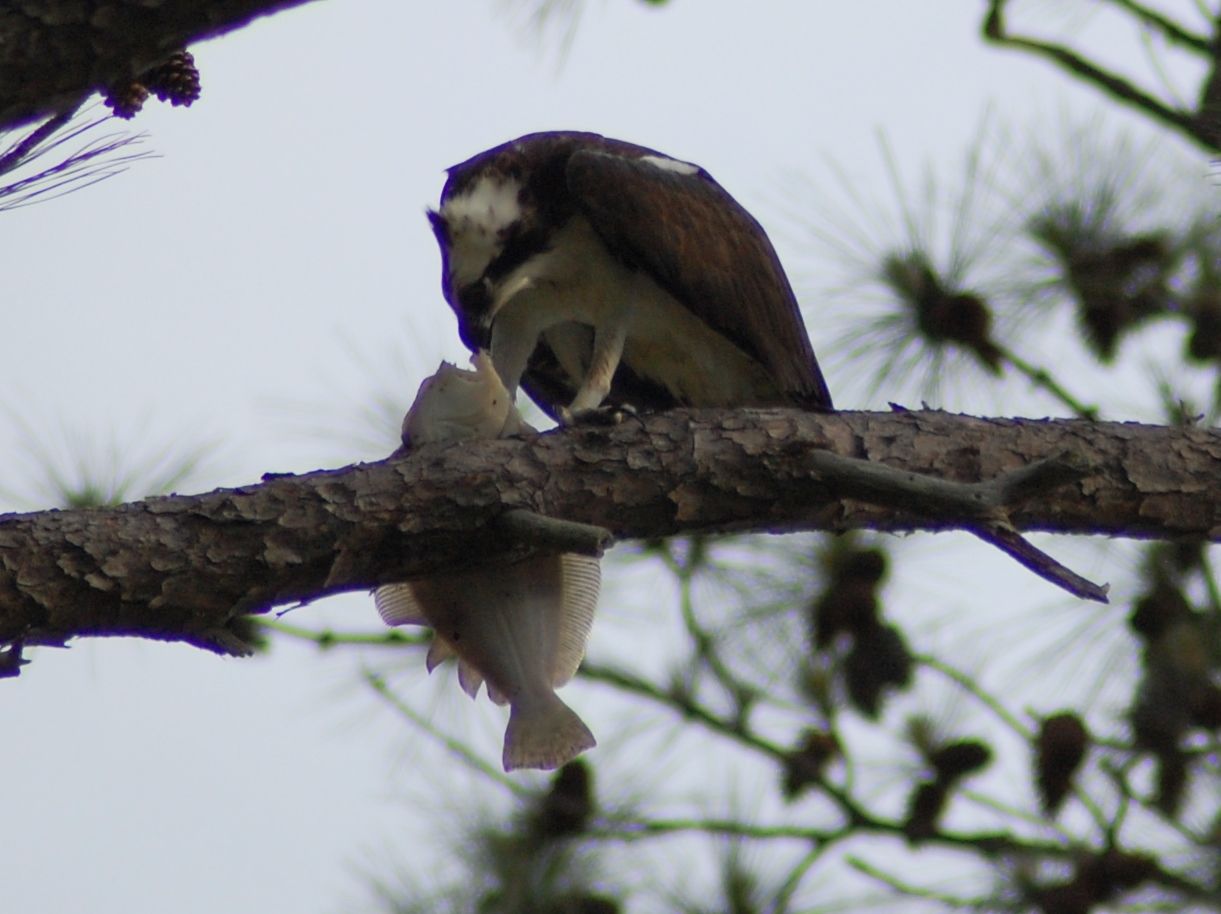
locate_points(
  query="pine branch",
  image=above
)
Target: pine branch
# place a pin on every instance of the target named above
(1171, 30)
(1114, 85)
(56, 53)
(191, 567)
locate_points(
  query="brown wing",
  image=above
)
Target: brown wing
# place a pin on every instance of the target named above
(702, 247)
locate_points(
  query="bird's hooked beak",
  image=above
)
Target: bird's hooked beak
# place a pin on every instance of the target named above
(476, 313)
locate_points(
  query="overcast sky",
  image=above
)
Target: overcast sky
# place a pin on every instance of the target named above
(271, 272)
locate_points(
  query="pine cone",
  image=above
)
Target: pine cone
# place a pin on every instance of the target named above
(175, 80)
(126, 101)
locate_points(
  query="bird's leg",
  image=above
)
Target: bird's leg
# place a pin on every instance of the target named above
(515, 333)
(608, 350)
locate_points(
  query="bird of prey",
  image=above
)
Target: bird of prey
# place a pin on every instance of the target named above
(601, 273)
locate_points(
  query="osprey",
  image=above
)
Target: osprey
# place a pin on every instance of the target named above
(599, 272)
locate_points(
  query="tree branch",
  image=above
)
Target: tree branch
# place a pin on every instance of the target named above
(1187, 123)
(55, 53)
(1171, 30)
(190, 567)
(958, 502)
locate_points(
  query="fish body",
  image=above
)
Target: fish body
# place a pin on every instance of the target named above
(520, 628)
(458, 405)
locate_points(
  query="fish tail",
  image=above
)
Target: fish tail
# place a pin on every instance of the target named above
(544, 733)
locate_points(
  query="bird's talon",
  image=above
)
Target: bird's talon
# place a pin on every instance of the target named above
(598, 416)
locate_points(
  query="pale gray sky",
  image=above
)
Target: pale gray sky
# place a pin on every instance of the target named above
(261, 280)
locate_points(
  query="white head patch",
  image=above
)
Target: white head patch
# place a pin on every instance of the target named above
(665, 163)
(477, 219)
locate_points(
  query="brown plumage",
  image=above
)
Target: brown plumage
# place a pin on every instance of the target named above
(574, 236)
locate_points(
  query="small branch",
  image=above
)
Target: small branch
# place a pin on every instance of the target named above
(1110, 83)
(856, 817)
(23, 148)
(788, 888)
(1010, 542)
(982, 507)
(972, 688)
(911, 890)
(328, 638)
(1042, 379)
(1034, 479)
(687, 706)
(638, 829)
(94, 161)
(1011, 812)
(707, 655)
(955, 503)
(463, 752)
(552, 533)
(1173, 32)
(1211, 587)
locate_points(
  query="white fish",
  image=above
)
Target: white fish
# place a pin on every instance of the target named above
(521, 628)
(458, 405)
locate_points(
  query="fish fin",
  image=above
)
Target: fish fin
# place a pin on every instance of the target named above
(544, 733)
(496, 695)
(469, 678)
(397, 604)
(438, 652)
(582, 580)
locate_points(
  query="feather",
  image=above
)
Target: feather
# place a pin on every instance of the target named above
(721, 265)
(586, 232)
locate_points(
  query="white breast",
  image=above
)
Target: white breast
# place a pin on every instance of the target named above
(576, 281)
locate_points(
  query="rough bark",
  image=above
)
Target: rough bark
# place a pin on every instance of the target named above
(189, 567)
(55, 53)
